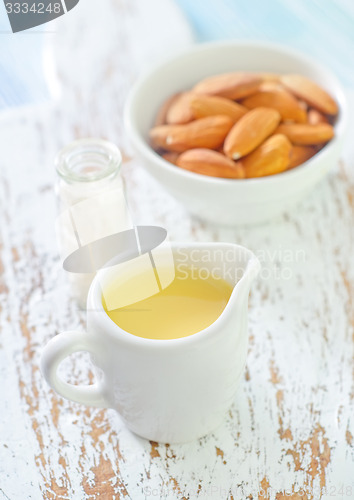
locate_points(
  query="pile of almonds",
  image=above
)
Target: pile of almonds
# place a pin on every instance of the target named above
(241, 125)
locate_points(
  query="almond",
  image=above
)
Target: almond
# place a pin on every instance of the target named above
(180, 110)
(271, 85)
(278, 99)
(310, 92)
(300, 154)
(161, 117)
(271, 157)
(203, 106)
(305, 134)
(314, 117)
(211, 163)
(231, 85)
(170, 157)
(250, 131)
(303, 104)
(207, 132)
(268, 76)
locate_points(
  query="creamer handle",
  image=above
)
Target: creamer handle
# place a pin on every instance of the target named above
(59, 348)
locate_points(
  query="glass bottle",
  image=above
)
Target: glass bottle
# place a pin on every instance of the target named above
(88, 169)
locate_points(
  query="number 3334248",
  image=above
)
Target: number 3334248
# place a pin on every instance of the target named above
(34, 8)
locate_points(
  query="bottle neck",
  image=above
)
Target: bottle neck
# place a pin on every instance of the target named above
(88, 161)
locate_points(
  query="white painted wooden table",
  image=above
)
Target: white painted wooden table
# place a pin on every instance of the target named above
(291, 426)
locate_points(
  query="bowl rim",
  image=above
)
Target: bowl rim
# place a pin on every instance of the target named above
(145, 149)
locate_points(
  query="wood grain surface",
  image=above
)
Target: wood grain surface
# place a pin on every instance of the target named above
(289, 433)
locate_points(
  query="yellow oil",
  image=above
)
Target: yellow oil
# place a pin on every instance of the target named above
(188, 305)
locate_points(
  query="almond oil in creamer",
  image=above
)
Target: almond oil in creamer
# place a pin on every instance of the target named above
(188, 305)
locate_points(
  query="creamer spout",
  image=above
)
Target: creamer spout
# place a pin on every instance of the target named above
(250, 272)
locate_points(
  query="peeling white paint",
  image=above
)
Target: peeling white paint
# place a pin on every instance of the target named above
(297, 399)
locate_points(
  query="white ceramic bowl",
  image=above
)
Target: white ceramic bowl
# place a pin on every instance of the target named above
(229, 201)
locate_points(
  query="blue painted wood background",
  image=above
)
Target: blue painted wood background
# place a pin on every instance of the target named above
(321, 28)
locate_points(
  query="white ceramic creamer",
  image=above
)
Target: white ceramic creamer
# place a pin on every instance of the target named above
(165, 390)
